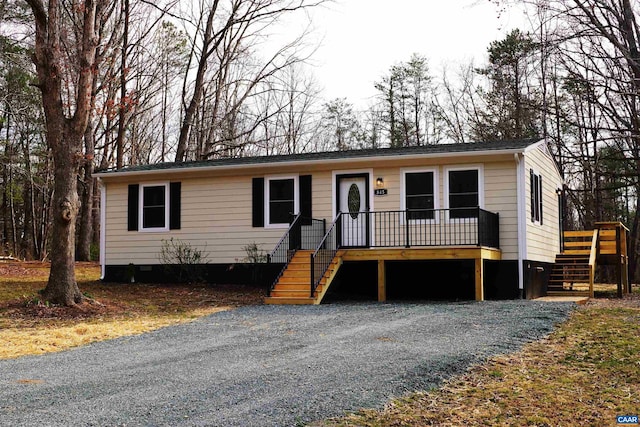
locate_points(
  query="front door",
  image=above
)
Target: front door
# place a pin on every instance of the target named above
(353, 202)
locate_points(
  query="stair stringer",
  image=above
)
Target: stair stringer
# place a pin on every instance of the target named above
(328, 277)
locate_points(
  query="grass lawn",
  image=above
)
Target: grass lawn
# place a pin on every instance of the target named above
(585, 373)
(113, 310)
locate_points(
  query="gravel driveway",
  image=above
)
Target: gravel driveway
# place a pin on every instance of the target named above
(266, 365)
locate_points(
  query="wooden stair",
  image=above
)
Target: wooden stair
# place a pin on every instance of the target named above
(570, 275)
(573, 271)
(294, 286)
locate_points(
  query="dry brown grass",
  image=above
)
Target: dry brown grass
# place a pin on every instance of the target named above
(584, 374)
(27, 326)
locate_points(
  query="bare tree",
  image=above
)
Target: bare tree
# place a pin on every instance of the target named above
(286, 110)
(341, 123)
(224, 32)
(60, 25)
(593, 84)
(456, 102)
(407, 95)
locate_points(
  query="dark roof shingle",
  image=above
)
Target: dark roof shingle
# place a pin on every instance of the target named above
(330, 155)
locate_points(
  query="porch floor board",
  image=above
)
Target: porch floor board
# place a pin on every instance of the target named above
(421, 254)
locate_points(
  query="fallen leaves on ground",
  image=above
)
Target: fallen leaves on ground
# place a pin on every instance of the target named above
(29, 325)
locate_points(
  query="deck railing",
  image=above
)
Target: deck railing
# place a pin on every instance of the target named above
(408, 228)
(414, 228)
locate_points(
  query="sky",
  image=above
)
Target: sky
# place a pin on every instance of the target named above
(361, 39)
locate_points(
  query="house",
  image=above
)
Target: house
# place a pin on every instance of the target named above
(488, 212)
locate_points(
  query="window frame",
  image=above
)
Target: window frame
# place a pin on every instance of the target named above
(267, 198)
(536, 197)
(167, 203)
(477, 167)
(403, 194)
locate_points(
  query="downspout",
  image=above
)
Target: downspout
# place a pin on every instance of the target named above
(522, 218)
(103, 227)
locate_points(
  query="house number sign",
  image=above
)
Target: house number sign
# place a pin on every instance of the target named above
(380, 192)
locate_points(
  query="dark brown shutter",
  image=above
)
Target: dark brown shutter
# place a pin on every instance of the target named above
(305, 199)
(257, 202)
(174, 205)
(132, 207)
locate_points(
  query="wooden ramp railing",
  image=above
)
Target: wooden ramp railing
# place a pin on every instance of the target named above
(613, 251)
(574, 269)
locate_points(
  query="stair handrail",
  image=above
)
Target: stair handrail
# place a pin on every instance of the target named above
(285, 239)
(283, 246)
(592, 261)
(323, 255)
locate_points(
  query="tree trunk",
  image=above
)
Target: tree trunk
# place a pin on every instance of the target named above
(62, 287)
(124, 103)
(95, 214)
(64, 135)
(85, 232)
(27, 244)
(198, 87)
(5, 209)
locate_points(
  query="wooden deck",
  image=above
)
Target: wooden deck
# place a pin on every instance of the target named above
(283, 292)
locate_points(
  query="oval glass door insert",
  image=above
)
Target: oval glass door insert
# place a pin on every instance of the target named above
(354, 201)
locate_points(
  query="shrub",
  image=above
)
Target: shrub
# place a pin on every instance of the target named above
(255, 255)
(183, 261)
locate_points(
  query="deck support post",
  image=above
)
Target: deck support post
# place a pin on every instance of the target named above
(625, 279)
(382, 281)
(619, 265)
(479, 279)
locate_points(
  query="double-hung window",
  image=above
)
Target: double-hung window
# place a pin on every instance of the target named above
(282, 202)
(154, 207)
(419, 194)
(464, 192)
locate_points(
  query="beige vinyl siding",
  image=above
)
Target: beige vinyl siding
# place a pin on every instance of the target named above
(390, 201)
(500, 195)
(216, 209)
(216, 218)
(321, 195)
(543, 241)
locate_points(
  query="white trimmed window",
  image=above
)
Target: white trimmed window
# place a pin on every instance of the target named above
(281, 200)
(464, 191)
(419, 194)
(154, 207)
